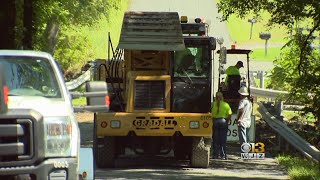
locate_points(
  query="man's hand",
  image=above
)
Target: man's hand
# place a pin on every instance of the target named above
(229, 119)
(239, 123)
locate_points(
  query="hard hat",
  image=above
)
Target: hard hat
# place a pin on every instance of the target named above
(243, 91)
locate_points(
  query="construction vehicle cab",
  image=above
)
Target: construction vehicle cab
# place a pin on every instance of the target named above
(234, 82)
(160, 91)
(230, 90)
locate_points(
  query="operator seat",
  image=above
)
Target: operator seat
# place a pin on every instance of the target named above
(234, 82)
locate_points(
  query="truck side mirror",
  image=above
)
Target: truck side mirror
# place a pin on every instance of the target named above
(97, 86)
(223, 55)
(3, 91)
(213, 43)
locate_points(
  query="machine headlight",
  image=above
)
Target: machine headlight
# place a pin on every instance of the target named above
(58, 136)
(115, 124)
(194, 124)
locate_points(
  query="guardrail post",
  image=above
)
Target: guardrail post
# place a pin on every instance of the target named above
(279, 108)
(261, 75)
(280, 142)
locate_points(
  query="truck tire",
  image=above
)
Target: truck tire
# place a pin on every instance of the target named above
(200, 154)
(105, 152)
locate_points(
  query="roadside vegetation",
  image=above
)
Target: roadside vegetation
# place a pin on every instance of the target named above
(72, 31)
(83, 43)
(242, 38)
(297, 63)
(258, 54)
(297, 68)
(300, 168)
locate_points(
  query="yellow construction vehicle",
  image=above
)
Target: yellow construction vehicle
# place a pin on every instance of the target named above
(159, 82)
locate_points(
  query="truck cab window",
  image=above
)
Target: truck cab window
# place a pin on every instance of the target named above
(192, 61)
(30, 76)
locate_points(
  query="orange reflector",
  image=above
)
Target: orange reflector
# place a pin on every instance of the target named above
(107, 99)
(184, 19)
(84, 174)
(205, 124)
(104, 124)
(233, 46)
(5, 92)
(69, 129)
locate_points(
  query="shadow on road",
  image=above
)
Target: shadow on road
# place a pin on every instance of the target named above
(168, 168)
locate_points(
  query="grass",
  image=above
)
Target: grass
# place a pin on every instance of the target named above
(98, 38)
(79, 101)
(259, 54)
(242, 36)
(98, 35)
(234, 23)
(82, 100)
(308, 118)
(299, 168)
(267, 82)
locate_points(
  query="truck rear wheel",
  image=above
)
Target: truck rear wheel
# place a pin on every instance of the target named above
(105, 152)
(200, 154)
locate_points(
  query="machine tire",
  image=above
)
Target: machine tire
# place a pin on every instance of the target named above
(200, 154)
(105, 152)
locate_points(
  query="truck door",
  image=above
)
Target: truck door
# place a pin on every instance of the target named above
(191, 82)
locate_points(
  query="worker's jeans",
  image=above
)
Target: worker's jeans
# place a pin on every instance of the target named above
(244, 136)
(220, 130)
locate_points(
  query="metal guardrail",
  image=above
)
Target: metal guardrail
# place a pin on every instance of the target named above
(289, 135)
(266, 92)
(74, 84)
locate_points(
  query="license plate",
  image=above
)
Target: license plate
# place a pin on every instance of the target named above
(154, 123)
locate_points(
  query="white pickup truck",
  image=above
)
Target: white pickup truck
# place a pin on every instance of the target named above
(39, 133)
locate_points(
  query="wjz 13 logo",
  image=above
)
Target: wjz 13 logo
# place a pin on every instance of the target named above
(253, 151)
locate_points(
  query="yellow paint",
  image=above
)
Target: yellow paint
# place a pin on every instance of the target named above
(131, 91)
(128, 123)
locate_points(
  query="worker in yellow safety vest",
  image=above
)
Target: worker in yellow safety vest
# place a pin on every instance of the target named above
(221, 115)
(233, 70)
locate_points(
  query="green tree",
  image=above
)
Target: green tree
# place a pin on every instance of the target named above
(298, 68)
(54, 26)
(52, 15)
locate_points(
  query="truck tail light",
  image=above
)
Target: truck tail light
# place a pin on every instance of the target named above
(5, 93)
(107, 99)
(4, 90)
(205, 124)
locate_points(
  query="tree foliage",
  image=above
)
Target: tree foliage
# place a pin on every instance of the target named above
(298, 68)
(52, 14)
(54, 26)
(303, 87)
